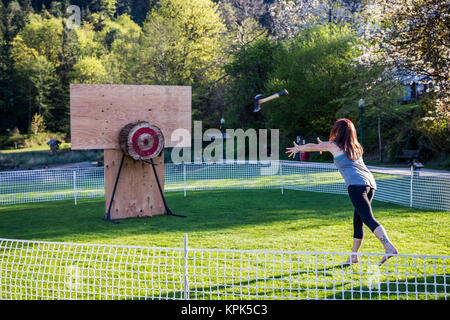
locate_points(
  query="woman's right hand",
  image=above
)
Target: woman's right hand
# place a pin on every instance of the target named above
(293, 150)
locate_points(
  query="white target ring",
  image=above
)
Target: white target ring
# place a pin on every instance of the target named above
(141, 140)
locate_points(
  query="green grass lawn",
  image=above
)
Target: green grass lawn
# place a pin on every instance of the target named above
(233, 219)
(262, 220)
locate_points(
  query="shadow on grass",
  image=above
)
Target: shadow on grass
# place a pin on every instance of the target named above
(418, 288)
(206, 211)
(216, 290)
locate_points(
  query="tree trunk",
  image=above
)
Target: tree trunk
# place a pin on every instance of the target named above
(29, 105)
(380, 150)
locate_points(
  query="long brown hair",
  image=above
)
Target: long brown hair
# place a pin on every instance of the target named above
(344, 136)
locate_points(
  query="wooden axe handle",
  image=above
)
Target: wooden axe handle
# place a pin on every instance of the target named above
(274, 96)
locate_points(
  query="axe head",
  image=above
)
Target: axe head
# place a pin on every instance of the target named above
(256, 99)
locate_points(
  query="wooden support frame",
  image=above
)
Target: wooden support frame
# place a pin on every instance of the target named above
(137, 193)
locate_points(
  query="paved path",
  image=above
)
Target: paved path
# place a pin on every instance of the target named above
(84, 164)
(407, 171)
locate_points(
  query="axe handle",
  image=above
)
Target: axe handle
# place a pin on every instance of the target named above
(274, 96)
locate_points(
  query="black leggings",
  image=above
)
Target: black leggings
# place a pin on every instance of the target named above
(361, 197)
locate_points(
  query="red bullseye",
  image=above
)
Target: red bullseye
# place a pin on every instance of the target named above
(136, 146)
(141, 141)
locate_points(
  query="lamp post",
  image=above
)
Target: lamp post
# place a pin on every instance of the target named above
(361, 108)
(222, 128)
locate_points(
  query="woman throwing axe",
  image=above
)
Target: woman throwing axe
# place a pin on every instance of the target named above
(347, 152)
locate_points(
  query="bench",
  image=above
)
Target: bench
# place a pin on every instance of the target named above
(413, 159)
(409, 155)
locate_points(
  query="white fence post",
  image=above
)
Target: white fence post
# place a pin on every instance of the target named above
(186, 284)
(411, 189)
(75, 186)
(281, 176)
(184, 177)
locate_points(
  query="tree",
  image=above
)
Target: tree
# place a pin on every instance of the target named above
(90, 70)
(36, 54)
(37, 124)
(137, 9)
(381, 94)
(182, 42)
(120, 39)
(14, 18)
(434, 124)
(59, 92)
(313, 67)
(13, 110)
(249, 71)
(87, 40)
(9, 115)
(291, 16)
(242, 20)
(417, 39)
(102, 10)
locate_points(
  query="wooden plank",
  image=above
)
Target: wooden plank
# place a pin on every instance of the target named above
(137, 193)
(99, 111)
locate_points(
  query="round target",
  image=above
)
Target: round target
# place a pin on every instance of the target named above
(141, 140)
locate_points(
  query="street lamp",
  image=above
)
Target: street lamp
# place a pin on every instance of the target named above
(361, 107)
(222, 127)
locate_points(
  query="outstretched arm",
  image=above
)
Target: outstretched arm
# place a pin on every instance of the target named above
(320, 146)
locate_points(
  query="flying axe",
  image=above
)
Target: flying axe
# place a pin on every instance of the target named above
(259, 101)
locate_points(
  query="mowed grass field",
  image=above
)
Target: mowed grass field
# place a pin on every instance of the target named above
(233, 219)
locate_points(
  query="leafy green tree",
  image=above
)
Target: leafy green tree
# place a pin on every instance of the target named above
(90, 70)
(248, 73)
(380, 93)
(121, 38)
(42, 35)
(241, 18)
(137, 9)
(313, 67)
(182, 42)
(435, 127)
(107, 7)
(36, 54)
(417, 39)
(87, 40)
(37, 124)
(68, 55)
(102, 11)
(14, 17)
(9, 115)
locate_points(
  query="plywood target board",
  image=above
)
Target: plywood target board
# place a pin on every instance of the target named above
(99, 111)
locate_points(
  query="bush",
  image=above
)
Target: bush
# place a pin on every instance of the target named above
(40, 139)
(37, 124)
(434, 125)
(29, 140)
